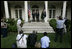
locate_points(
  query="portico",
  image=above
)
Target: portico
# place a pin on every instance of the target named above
(19, 9)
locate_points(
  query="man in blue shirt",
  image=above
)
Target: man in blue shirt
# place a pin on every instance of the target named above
(45, 41)
(60, 28)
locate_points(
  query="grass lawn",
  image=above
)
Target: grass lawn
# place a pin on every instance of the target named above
(10, 39)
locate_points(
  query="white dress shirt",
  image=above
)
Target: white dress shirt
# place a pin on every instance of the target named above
(60, 23)
(22, 43)
(45, 42)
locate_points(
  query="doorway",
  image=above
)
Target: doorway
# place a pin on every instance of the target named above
(52, 13)
(18, 12)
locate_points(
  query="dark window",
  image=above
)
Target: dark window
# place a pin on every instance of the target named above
(53, 13)
(20, 14)
(16, 13)
(50, 13)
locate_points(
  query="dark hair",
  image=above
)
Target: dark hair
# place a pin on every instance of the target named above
(60, 18)
(21, 24)
(34, 32)
(21, 32)
(37, 10)
(45, 33)
(33, 10)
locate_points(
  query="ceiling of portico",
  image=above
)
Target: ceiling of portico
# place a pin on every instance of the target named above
(14, 3)
(55, 3)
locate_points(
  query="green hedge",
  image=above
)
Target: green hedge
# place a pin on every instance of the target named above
(52, 23)
(68, 25)
(12, 25)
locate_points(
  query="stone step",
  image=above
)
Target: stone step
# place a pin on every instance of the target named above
(35, 23)
(39, 31)
(40, 27)
(37, 27)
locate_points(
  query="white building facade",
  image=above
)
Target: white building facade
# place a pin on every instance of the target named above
(19, 9)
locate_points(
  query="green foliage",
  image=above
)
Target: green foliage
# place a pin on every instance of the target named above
(11, 38)
(52, 23)
(12, 25)
(23, 21)
(68, 25)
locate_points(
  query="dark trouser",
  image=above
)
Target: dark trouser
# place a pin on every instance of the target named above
(31, 46)
(33, 18)
(43, 19)
(1, 31)
(4, 32)
(37, 17)
(47, 47)
(59, 32)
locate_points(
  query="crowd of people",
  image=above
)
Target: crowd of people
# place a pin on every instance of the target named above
(31, 40)
(24, 41)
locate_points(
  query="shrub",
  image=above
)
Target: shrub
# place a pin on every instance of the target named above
(68, 25)
(11, 25)
(52, 23)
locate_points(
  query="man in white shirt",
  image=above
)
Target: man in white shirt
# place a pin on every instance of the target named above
(45, 41)
(21, 40)
(18, 25)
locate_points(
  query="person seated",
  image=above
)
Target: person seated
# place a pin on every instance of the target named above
(21, 40)
(45, 41)
(32, 38)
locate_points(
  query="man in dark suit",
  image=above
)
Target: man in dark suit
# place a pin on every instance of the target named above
(33, 14)
(37, 15)
(32, 38)
(43, 15)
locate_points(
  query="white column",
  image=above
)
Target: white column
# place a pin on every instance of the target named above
(26, 11)
(6, 9)
(47, 13)
(64, 9)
